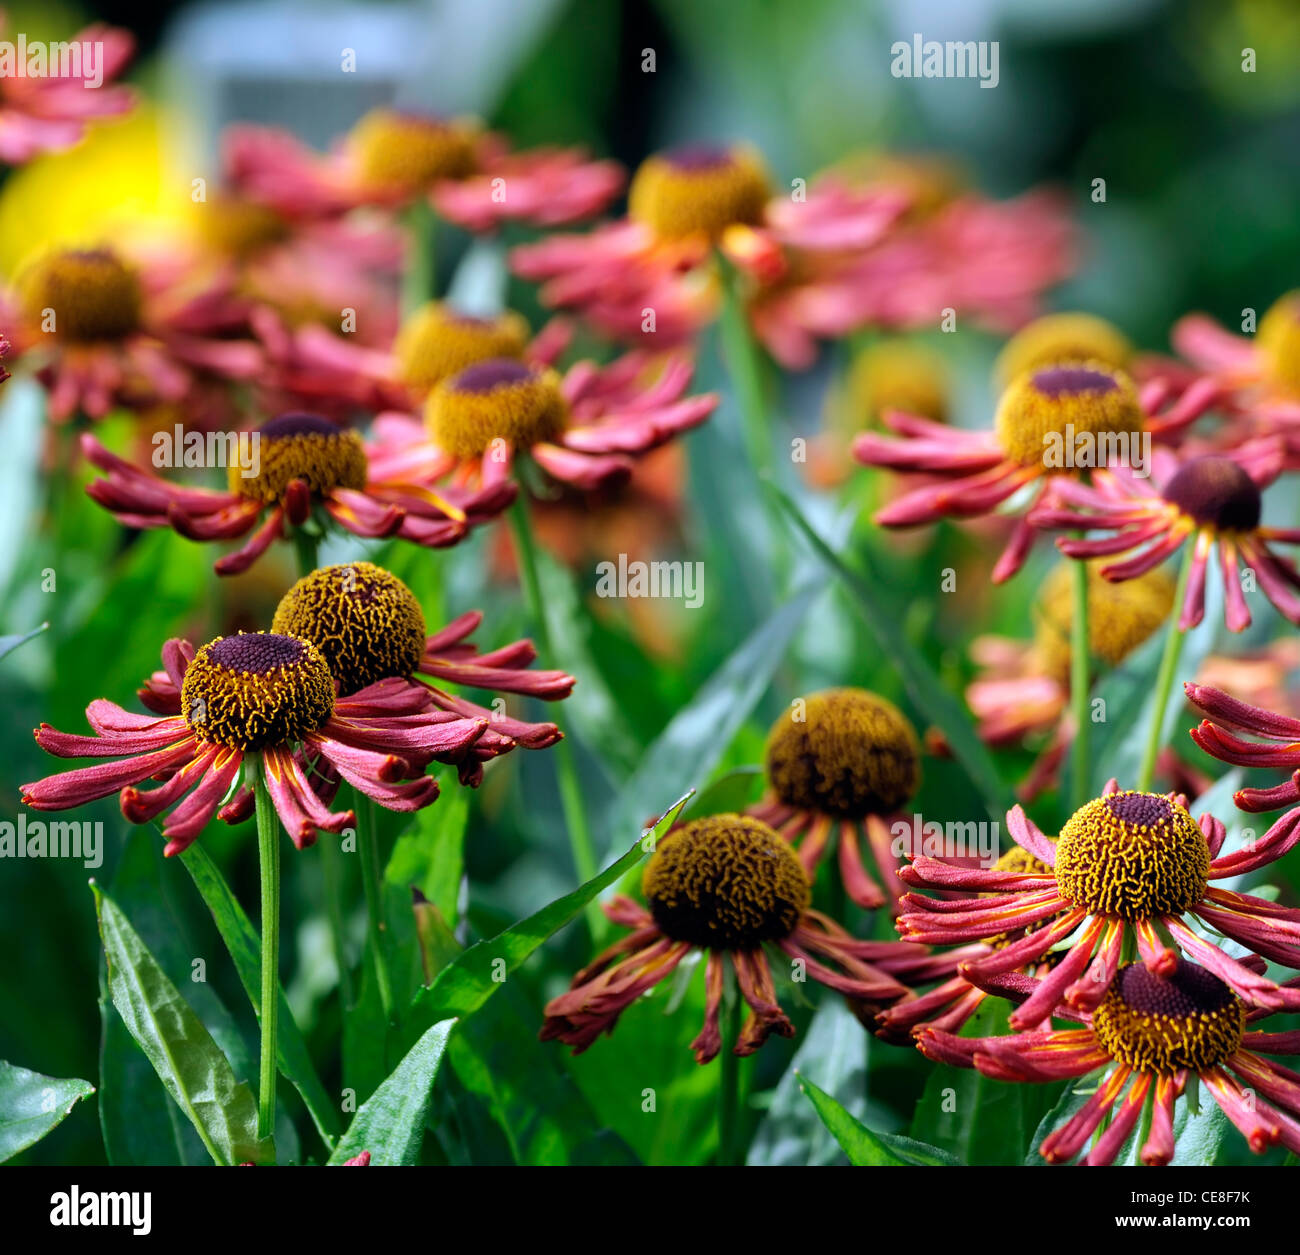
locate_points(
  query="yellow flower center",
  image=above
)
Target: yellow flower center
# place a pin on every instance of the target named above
(300, 446)
(845, 752)
(409, 152)
(1121, 616)
(896, 375)
(726, 883)
(1133, 855)
(1190, 1019)
(366, 623)
(1217, 492)
(698, 191)
(1278, 339)
(436, 342)
(499, 399)
(1058, 338)
(1042, 415)
(82, 295)
(257, 690)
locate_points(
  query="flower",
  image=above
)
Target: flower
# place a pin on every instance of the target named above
(841, 762)
(1126, 861)
(580, 428)
(1039, 414)
(392, 158)
(105, 332)
(242, 701)
(1154, 1031)
(48, 112)
(729, 885)
(1207, 501)
(1057, 338)
(1023, 687)
(369, 627)
(1278, 745)
(302, 460)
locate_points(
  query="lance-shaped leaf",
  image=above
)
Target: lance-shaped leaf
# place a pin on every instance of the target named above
(189, 1063)
(867, 1149)
(32, 1104)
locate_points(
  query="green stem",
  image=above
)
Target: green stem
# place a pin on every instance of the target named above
(268, 849)
(729, 1151)
(419, 284)
(1165, 682)
(306, 545)
(566, 770)
(368, 848)
(1079, 647)
(743, 358)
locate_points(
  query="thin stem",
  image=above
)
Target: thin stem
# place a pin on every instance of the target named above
(1165, 682)
(419, 283)
(729, 1150)
(368, 848)
(566, 770)
(268, 850)
(744, 360)
(306, 544)
(1079, 646)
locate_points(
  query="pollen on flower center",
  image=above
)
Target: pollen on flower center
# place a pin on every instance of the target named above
(408, 151)
(257, 690)
(1057, 338)
(1216, 491)
(82, 295)
(844, 752)
(437, 342)
(1121, 615)
(366, 623)
(498, 399)
(300, 446)
(1132, 855)
(1189, 1019)
(1278, 340)
(698, 191)
(1043, 413)
(727, 882)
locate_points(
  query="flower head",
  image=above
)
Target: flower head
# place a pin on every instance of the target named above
(842, 762)
(1153, 1031)
(731, 886)
(1057, 338)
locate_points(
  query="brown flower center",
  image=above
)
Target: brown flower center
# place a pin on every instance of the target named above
(1217, 492)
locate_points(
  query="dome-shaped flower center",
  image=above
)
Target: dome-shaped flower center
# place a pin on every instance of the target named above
(239, 228)
(845, 752)
(1278, 340)
(300, 446)
(1043, 414)
(364, 620)
(1057, 338)
(500, 399)
(1132, 855)
(257, 690)
(1120, 615)
(407, 151)
(698, 191)
(1190, 1019)
(82, 295)
(896, 375)
(727, 883)
(1217, 492)
(437, 342)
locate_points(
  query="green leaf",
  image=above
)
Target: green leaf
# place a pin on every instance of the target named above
(938, 706)
(431, 856)
(9, 643)
(32, 1104)
(469, 981)
(245, 949)
(390, 1123)
(866, 1149)
(191, 1065)
(688, 749)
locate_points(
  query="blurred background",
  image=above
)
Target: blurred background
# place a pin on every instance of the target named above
(1201, 164)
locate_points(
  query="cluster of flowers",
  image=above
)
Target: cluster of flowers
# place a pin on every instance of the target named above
(422, 428)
